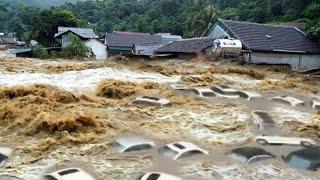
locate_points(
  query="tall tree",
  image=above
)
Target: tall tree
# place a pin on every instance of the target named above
(46, 25)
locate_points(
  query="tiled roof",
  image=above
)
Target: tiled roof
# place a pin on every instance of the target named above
(187, 46)
(263, 37)
(129, 39)
(82, 32)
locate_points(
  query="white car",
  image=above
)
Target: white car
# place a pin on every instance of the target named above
(262, 119)
(316, 104)
(264, 140)
(130, 144)
(289, 100)
(180, 87)
(225, 91)
(158, 176)
(249, 95)
(180, 149)
(69, 174)
(204, 92)
(151, 101)
(4, 154)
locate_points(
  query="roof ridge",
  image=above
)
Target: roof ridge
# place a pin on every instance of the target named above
(259, 24)
(195, 38)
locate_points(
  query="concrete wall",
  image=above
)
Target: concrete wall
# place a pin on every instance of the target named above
(98, 49)
(218, 33)
(298, 62)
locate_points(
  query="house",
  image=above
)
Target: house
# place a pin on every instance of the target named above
(168, 37)
(270, 44)
(63, 35)
(87, 35)
(188, 48)
(98, 48)
(123, 42)
(146, 49)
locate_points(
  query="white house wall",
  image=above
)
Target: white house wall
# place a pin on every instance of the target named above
(98, 49)
(296, 61)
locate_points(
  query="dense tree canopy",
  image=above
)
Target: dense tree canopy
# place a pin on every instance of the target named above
(188, 18)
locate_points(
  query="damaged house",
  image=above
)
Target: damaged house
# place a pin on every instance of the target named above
(270, 44)
(87, 35)
(188, 48)
(124, 42)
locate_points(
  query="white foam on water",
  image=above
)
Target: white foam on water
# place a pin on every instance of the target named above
(85, 80)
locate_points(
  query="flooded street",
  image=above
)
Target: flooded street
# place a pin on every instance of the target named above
(54, 118)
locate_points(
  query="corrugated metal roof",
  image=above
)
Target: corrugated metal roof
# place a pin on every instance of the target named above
(187, 46)
(82, 32)
(129, 39)
(264, 37)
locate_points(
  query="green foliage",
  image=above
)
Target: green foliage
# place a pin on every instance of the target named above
(188, 18)
(76, 49)
(39, 51)
(46, 24)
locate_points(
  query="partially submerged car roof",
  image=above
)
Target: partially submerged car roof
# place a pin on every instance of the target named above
(5, 151)
(307, 158)
(127, 142)
(70, 174)
(151, 100)
(249, 152)
(265, 116)
(183, 146)
(288, 99)
(159, 176)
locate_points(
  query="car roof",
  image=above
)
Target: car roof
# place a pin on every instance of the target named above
(133, 141)
(77, 174)
(249, 152)
(265, 116)
(311, 154)
(5, 151)
(163, 176)
(183, 146)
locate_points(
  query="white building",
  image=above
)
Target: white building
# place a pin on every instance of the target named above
(98, 48)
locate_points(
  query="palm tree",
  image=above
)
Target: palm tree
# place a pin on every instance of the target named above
(200, 20)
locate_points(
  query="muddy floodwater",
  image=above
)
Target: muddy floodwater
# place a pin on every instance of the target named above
(65, 113)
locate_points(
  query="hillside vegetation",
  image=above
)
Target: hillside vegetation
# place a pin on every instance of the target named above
(188, 18)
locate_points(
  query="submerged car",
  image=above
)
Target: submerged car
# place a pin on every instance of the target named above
(130, 144)
(204, 92)
(147, 100)
(288, 100)
(158, 176)
(263, 119)
(250, 154)
(69, 174)
(225, 90)
(249, 95)
(278, 140)
(4, 154)
(316, 104)
(308, 159)
(181, 149)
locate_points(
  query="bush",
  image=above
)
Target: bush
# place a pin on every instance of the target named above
(76, 49)
(39, 51)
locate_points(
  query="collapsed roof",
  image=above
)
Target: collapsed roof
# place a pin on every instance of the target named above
(187, 46)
